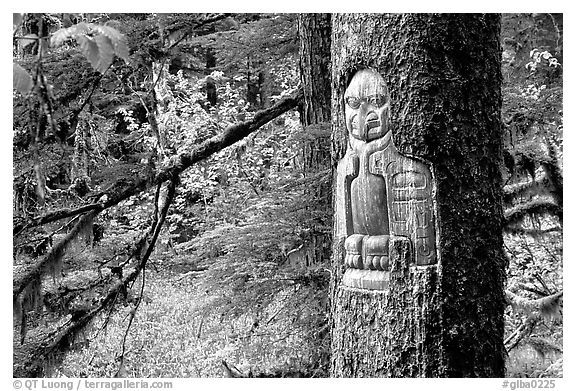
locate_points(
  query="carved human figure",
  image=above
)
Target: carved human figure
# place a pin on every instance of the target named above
(382, 194)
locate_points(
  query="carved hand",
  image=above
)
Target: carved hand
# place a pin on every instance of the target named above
(375, 252)
(353, 248)
(367, 252)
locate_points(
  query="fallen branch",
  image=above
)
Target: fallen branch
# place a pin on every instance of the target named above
(30, 354)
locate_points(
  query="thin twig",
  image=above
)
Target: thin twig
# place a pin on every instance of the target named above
(159, 218)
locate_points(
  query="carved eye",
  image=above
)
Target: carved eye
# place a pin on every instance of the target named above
(376, 100)
(353, 102)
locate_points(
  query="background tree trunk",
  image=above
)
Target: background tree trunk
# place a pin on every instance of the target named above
(314, 32)
(443, 73)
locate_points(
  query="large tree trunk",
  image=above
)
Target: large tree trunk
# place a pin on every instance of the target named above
(441, 316)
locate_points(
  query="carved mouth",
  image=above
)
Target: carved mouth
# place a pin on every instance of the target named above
(372, 121)
(372, 124)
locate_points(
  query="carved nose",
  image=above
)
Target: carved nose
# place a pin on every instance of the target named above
(364, 121)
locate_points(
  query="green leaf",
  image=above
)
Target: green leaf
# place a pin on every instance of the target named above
(22, 81)
(100, 48)
(28, 39)
(62, 35)
(90, 50)
(105, 53)
(118, 41)
(17, 19)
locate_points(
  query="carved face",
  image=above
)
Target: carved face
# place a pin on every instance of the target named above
(367, 105)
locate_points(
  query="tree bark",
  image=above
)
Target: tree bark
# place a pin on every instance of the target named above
(314, 33)
(81, 161)
(445, 319)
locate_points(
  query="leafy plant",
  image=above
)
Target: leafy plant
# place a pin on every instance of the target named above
(98, 43)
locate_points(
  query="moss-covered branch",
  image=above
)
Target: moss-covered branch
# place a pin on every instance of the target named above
(38, 348)
(548, 306)
(538, 309)
(538, 206)
(524, 330)
(536, 186)
(53, 257)
(531, 231)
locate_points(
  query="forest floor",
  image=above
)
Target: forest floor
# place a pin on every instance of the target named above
(173, 335)
(176, 333)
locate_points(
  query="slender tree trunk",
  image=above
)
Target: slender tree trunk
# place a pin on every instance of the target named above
(81, 161)
(443, 317)
(211, 90)
(314, 33)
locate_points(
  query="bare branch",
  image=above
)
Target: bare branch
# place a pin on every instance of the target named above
(159, 218)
